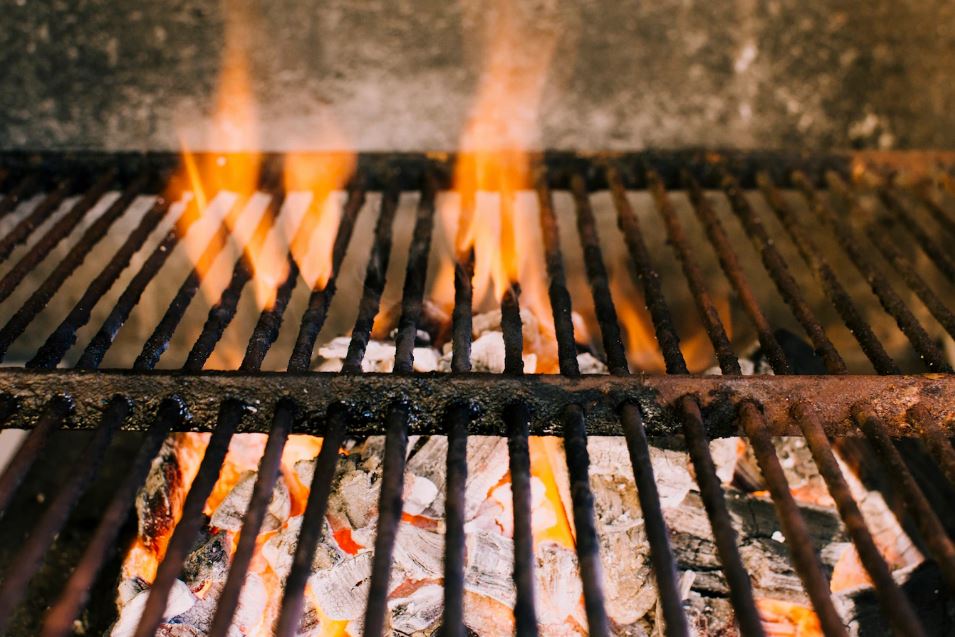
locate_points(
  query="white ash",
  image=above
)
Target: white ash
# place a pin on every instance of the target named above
(230, 514)
(180, 600)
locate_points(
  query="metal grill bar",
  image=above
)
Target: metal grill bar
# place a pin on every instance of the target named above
(776, 267)
(741, 590)
(935, 252)
(734, 273)
(22, 190)
(826, 276)
(390, 501)
(933, 533)
(22, 231)
(39, 299)
(894, 603)
(890, 301)
(799, 541)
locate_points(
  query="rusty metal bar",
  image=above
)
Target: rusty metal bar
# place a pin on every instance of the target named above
(724, 535)
(891, 302)
(338, 420)
(880, 235)
(893, 601)
(691, 420)
(458, 421)
(221, 314)
(30, 556)
(458, 417)
(734, 273)
(938, 254)
(97, 347)
(798, 541)
(800, 546)
(54, 413)
(390, 500)
(158, 341)
(389, 516)
(661, 553)
(23, 189)
(42, 295)
(827, 278)
(547, 395)
(728, 361)
(60, 618)
(313, 521)
(63, 337)
(935, 439)
(517, 417)
(646, 276)
(778, 270)
(190, 522)
(940, 546)
(321, 297)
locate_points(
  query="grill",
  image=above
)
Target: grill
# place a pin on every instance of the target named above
(822, 408)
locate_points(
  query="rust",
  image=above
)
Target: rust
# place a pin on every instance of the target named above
(368, 398)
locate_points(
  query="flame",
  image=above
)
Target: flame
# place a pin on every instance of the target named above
(494, 211)
(545, 450)
(787, 619)
(642, 350)
(236, 167)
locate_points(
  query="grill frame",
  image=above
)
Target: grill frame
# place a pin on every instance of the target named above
(463, 403)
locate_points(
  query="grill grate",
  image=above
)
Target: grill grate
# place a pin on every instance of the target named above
(351, 404)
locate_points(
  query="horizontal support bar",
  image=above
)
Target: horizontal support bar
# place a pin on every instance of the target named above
(368, 397)
(407, 169)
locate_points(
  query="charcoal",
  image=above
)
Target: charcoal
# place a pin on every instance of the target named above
(230, 514)
(210, 557)
(343, 588)
(487, 464)
(160, 498)
(178, 630)
(279, 550)
(180, 601)
(418, 611)
(428, 461)
(559, 589)
(490, 566)
(419, 553)
(488, 617)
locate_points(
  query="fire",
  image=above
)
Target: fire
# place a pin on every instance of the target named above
(235, 166)
(787, 619)
(494, 211)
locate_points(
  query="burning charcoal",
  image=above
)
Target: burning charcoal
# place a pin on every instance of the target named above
(590, 364)
(252, 603)
(419, 493)
(180, 600)
(178, 630)
(417, 611)
(280, 548)
(487, 464)
(160, 497)
(230, 514)
(559, 589)
(209, 559)
(428, 461)
(129, 587)
(419, 553)
(379, 356)
(489, 568)
(488, 617)
(343, 588)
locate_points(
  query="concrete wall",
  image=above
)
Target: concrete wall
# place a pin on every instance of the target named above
(397, 74)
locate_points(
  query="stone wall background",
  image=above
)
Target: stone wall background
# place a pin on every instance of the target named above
(400, 74)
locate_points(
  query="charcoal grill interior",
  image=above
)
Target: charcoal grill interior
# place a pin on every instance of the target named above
(851, 253)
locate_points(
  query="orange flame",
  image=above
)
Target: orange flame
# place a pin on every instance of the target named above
(495, 213)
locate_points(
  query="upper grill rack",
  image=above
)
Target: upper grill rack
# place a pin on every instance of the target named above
(456, 405)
